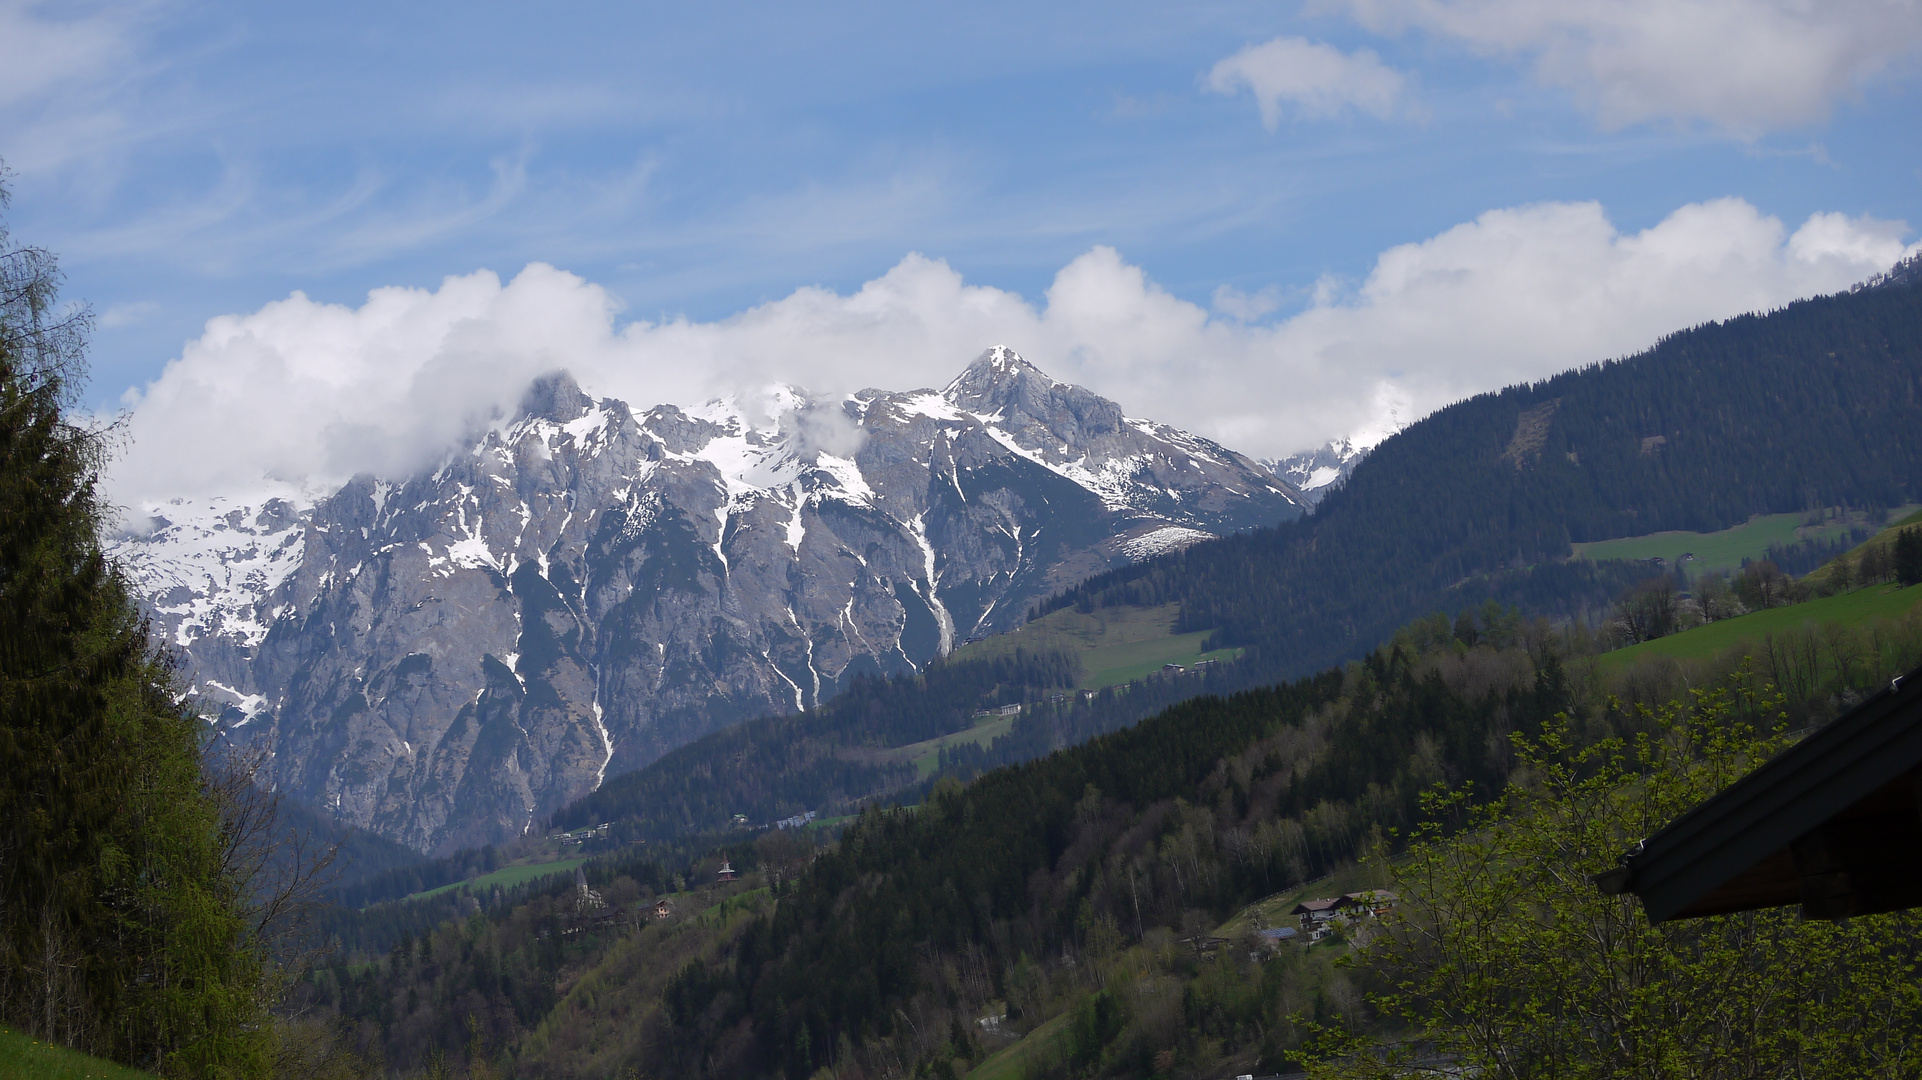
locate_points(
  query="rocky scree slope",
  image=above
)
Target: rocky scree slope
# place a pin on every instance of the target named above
(445, 659)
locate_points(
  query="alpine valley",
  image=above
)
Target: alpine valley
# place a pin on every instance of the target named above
(446, 659)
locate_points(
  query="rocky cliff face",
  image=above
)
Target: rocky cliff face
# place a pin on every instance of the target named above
(446, 659)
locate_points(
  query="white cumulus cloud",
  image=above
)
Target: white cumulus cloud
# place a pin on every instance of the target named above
(1747, 66)
(1318, 80)
(310, 393)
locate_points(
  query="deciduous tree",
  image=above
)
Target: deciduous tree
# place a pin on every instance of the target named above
(1507, 959)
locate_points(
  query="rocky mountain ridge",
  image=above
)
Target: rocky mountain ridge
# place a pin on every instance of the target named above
(1321, 470)
(447, 658)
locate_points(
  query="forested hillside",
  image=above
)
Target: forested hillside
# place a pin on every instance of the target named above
(1815, 405)
(1170, 824)
(1083, 898)
(834, 758)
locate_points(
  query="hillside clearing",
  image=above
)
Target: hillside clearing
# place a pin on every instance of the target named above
(1017, 1062)
(1726, 549)
(1706, 642)
(1116, 645)
(925, 755)
(506, 877)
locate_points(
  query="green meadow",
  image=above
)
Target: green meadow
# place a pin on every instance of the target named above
(26, 1058)
(1711, 640)
(506, 877)
(1116, 645)
(1725, 550)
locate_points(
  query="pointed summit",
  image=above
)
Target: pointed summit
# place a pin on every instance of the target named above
(557, 397)
(1032, 407)
(996, 376)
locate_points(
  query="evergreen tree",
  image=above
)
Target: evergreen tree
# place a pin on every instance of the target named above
(121, 931)
(1908, 556)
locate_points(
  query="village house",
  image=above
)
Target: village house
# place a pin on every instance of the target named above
(582, 836)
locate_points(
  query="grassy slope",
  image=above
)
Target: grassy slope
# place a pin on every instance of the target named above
(1705, 642)
(506, 877)
(927, 754)
(1011, 1062)
(1886, 538)
(24, 1058)
(1723, 550)
(1116, 645)
(1276, 910)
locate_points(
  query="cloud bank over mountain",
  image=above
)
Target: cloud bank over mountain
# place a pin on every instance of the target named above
(308, 394)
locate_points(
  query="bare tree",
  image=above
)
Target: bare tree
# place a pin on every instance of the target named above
(1648, 610)
(283, 870)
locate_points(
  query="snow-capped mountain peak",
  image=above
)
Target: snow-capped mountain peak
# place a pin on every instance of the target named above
(445, 657)
(1317, 472)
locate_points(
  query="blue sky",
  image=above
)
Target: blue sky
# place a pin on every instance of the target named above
(1245, 170)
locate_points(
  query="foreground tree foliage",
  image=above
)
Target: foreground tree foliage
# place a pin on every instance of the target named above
(1508, 960)
(123, 930)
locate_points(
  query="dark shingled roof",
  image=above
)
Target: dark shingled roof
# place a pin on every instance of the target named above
(1831, 823)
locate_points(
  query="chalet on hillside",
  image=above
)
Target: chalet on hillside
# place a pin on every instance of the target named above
(1316, 913)
(1831, 824)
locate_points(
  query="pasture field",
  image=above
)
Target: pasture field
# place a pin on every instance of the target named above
(506, 877)
(1116, 645)
(1725, 550)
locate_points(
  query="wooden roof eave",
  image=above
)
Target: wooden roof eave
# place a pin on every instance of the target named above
(1737, 850)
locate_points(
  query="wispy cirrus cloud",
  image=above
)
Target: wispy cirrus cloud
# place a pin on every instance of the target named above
(41, 51)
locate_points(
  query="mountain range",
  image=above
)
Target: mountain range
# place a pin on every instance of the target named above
(1813, 406)
(445, 659)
